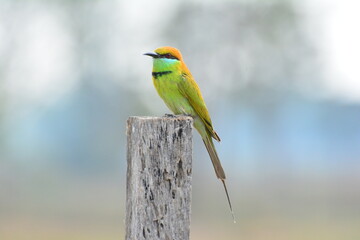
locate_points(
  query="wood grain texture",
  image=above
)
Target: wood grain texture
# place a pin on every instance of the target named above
(159, 158)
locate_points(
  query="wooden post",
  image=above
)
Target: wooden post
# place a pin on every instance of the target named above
(159, 158)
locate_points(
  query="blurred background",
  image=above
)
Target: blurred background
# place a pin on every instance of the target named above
(281, 81)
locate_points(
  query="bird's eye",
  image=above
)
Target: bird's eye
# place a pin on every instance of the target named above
(168, 56)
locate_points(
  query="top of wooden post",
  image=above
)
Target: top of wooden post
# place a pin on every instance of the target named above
(165, 118)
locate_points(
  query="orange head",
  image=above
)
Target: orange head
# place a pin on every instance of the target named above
(169, 52)
(166, 52)
(167, 59)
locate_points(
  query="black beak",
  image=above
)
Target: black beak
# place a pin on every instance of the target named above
(153, 55)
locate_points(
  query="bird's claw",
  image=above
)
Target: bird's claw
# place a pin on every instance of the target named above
(169, 115)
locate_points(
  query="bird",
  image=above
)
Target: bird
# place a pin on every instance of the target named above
(180, 92)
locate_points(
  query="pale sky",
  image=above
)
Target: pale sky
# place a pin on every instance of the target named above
(43, 63)
(334, 26)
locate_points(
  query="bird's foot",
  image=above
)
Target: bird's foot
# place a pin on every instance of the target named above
(169, 115)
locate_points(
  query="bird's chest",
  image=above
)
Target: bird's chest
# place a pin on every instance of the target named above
(166, 85)
(168, 90)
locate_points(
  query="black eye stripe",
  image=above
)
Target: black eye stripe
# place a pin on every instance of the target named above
(168, 55)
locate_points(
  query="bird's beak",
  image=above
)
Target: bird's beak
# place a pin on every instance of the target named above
(153, 55)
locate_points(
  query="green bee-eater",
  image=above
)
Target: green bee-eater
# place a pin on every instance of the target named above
(177, 87)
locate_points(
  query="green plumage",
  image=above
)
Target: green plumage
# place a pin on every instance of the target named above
(182, 96)
(176, 86)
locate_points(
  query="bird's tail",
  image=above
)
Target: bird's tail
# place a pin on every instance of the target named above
(217, 166)
(214, 157)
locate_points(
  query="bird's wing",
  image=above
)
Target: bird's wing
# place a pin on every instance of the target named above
(190, 90)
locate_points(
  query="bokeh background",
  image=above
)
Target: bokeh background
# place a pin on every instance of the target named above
(281, 79)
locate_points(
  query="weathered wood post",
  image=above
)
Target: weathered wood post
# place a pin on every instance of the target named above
(159, 158)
